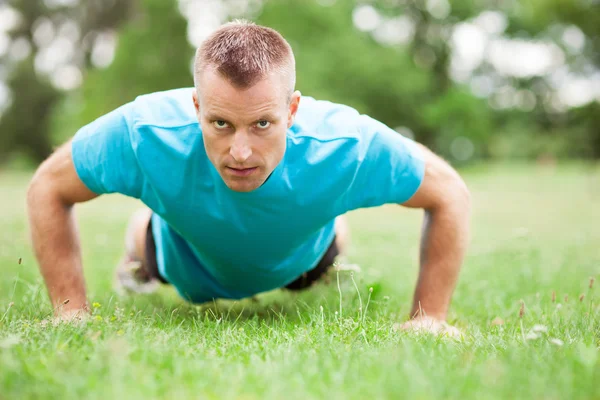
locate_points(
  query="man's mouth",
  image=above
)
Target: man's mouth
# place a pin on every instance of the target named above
(241, 171)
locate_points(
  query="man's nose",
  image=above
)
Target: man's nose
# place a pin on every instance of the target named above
(240, 148)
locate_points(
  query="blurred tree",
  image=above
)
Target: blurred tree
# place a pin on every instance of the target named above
(403, 85)
(25, 123)
(551, 20)
(391, 59)
(152, 54)
(588, 117)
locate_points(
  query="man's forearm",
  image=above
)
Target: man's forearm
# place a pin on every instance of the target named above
(56, 244)
(443, 245)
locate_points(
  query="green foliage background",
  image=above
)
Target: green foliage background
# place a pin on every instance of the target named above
(335, 61)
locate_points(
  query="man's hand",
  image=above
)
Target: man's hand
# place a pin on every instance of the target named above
(71, 317)
(429, 325)
(75, 317)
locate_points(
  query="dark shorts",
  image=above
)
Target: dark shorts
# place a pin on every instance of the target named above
(302, 282)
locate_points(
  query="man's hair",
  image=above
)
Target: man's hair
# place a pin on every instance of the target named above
(244, 53)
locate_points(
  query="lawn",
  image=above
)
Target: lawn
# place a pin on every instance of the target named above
(536, 231)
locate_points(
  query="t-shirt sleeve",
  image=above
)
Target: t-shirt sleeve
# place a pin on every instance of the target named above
(390, 167)
(104, 158)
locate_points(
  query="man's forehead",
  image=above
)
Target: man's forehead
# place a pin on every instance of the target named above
(217, 91)
(223, 101)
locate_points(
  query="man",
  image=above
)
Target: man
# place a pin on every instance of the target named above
(245, 182)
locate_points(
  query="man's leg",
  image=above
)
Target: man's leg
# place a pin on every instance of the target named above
(342, 235)
(342, 239)
(338, 249)
(135, 235)
(137, 272)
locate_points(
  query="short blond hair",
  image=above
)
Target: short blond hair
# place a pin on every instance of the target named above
(245, 53)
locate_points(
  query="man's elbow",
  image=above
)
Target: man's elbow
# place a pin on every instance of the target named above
(44, 187)
(455, 197)
(462, 193)
(57, 182)
(37, 186)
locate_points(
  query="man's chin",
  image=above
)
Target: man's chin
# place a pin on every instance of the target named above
(242, 186)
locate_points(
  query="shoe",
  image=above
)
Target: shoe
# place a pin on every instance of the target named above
(132, 278)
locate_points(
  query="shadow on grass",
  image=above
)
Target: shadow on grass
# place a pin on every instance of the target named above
(277, 306)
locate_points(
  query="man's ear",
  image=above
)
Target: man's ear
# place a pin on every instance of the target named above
(196, 102)
(294, 104)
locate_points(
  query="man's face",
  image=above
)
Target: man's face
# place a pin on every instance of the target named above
(244, 130)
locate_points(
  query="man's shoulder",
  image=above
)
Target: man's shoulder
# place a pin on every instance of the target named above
(325, 121)
(166, 109)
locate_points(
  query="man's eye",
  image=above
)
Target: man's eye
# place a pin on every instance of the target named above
(220, 124)
(263, 124)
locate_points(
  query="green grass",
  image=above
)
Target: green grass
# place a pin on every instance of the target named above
(535, 231)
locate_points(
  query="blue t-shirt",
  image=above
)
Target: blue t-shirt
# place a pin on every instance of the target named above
(213, 242)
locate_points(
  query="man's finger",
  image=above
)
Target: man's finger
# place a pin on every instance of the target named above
(429, 325)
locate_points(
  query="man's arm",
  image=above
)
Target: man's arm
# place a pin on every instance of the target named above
(53, 191)
(445, 235)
